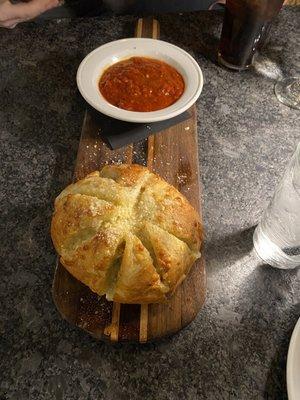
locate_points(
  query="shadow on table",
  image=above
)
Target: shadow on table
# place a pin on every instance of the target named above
(271, 61)
(198, 32)
(280, 282)
(268, 65)
(267, 304)
(231, 247)
(275, 388)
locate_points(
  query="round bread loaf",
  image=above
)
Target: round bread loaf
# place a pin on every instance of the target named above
(126, 233)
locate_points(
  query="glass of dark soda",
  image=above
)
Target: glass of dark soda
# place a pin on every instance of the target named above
(245, 26)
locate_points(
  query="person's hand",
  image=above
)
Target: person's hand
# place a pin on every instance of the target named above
(12, 14)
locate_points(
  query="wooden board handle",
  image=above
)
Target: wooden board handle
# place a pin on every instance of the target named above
(147, 28)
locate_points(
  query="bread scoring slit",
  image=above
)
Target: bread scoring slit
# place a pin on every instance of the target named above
(91, 188)
(196, 254)
(173, 256)
(79, 238)
(113, 271)
(111, 278)
(148, 245)
(139, 188)
(137, 276)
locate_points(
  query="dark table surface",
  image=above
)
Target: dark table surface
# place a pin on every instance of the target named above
(237, 346)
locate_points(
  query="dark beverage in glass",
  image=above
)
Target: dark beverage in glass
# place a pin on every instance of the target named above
(246, 23)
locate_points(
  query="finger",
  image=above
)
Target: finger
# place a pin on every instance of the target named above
(35, 7)
(12, 26)
(25, 11)
(9, 24)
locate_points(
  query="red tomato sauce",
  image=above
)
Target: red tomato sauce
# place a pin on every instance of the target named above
(141, 84)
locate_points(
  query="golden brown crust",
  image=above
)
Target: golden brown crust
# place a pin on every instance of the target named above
(173, 257)
(169, 209)
(138, 280)
(126, 232)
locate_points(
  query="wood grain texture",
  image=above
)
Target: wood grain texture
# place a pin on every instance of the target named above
(292, 3)
(173, 154)
(176, 160)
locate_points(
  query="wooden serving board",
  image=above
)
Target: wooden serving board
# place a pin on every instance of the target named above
(173, 154)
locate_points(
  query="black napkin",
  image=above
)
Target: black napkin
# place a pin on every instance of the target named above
(116, 133)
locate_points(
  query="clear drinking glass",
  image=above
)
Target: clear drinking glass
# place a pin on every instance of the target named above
(277, 237)
(288, 92)
(245, 27)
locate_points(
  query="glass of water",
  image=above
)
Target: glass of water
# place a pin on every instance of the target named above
(277, 237)
(288, 92)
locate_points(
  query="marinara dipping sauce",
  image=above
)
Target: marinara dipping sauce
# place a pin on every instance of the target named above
(141, 84)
